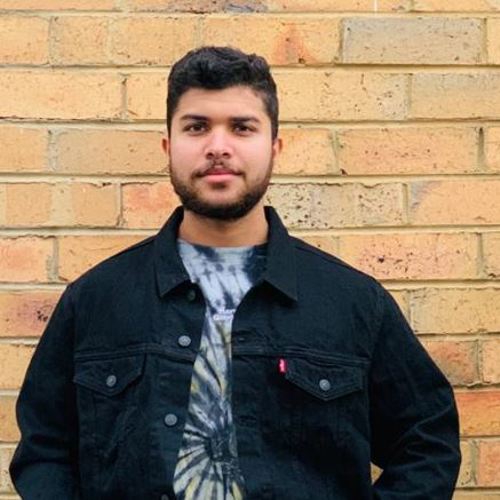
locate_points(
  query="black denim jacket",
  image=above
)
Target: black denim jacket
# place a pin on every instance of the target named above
(327, 376)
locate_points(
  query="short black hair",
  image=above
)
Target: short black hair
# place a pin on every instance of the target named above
(218, 68)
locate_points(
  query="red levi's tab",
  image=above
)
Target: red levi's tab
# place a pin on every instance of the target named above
(282, 365)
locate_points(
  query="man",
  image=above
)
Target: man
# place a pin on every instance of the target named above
(222, 358)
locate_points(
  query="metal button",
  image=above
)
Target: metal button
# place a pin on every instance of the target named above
(184, 340)
(111, 381)
(191, 295)
(170, 419)
(324, 384)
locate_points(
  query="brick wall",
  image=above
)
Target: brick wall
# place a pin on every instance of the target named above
(390, 116)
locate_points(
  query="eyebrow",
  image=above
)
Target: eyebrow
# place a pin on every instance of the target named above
(234, 119)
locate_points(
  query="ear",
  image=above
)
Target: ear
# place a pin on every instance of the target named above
(165, 144)
(277, 147)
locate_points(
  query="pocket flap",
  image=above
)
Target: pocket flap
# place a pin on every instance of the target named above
(324, 381)
(108, 376)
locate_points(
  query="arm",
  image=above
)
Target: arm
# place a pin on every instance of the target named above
(45, 462)
(415, 434)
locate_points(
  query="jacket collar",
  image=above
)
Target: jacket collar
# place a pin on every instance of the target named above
(280, 266)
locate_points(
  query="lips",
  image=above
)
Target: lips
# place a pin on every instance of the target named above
(219, 171)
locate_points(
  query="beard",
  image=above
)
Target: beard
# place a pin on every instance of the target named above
(193, 201)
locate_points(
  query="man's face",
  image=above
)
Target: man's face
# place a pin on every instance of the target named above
(220, 151)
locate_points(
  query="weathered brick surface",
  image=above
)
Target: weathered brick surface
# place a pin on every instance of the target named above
(25, 314)
(8, 426)
(23, 40)
(488, 473)
(456, 5)
(328, 244)
(412, 256)
(456, 310)
(57, 4)
(6, 454)
(466, 475)
(474, 202)
(146, 96)
(23, 149)
(490, 357)
(492, 149)
(491, 251)
(405, 151)
(79, 253)
(493, 40)
(14, 360)
(438, 40)
(479, 412)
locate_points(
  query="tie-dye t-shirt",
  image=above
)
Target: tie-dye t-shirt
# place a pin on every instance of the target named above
(207, 465)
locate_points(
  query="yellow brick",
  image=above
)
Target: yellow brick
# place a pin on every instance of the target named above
(466, 475)
(23, 40)
(27, 204)
(337, 5)
(25, 259)
(411, 256)
(8, 426)
(57, 4)
(327, 243)
(80, 40)
(281, 40)
(152, 40)
(456, 310)
(493, 40)
(436, 40)
(60, 95)
(23, 149)
(6, 454)
(490, 357)
(492, 149)
(103, 151)
(306, 151)
(14, 360)
(404, 151)
(475, 495)
(198, 6)
(456, 5)
(77, 254)
(491, 244)
(454, 202)
(340, 95)
(146, 95)
(455, 95)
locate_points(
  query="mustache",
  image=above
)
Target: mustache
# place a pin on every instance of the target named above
(215, 165)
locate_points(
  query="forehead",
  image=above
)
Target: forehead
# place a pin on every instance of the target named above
(232, 101)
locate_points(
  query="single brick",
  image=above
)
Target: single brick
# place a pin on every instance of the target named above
(152, 40)
(23, 40)
(80, 40)
(57, 4)
(25, 259)
(8, 426)
(491, 252)
(23, 149)
(402, 151)
(325, 206)
(312, 95)
(412, 256)
(281, 40)
(493, 40)
(199, 6)
(454, 202)
(25, 314)
(306, 151)
(147, 205)
(77, 254)
(456, 310)
(14, 360)
(456, 5)
(490, 358)
(466, 474)
(60, 95)
(27, 204)
(103, 151)
(488, 471)
(455, 95)
(146, 96)
(479, 412)
(492, 149)
(428, 40)
(337, 5)
(457, 360)
(6, 455)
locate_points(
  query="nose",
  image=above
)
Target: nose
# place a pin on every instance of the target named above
(218, 145)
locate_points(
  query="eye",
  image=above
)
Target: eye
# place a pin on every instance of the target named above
(243, 129)
(195, 127)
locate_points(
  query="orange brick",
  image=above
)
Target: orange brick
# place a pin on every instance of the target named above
(427, 40)
(57, 4)
(479, 412)
(306, 151)
(490, 358)
(152, 40)
(60, 95)
(491, 251)
(457, 360)
(27, 204)
(455, 95)
(466, 475)
(340, 95)
(8, 426)
(492, 149)
(146, 96)
(412, 256)
(488, 471)
(456, 5)
(25, 314)
(80, 40)
(281, 40)
(79, 253)
(404, 151)
(14, 360)
(91, 205)
(454, 202)
(25, 259)
(23, 149)
(23, 40)
(147, 205)
(325, 206)
(456, 310)
(103, 151)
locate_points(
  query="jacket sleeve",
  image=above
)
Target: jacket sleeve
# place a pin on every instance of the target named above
(44, 463)
(415, 432)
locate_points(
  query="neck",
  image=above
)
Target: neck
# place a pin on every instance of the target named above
(249, 230)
